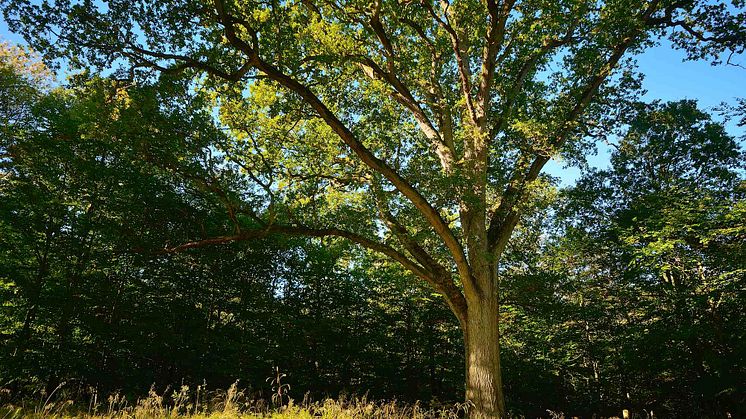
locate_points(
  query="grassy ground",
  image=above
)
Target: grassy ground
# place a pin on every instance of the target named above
(327, 409)
(231, 404)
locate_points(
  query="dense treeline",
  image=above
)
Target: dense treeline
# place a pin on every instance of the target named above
(97, 181)
(625, 290)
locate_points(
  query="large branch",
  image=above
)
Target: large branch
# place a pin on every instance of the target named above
(402, 94)
(438, 102)
(366, 156)
(401, 233)
(389, 74)
(441, 280)
(449, 291)
(506, 216)
(528, 67)
(311, 232)
(137, 54)
(686, 23)
(461, 53)
(493, 43)
(308, 232)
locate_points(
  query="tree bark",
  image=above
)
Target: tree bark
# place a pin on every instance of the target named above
(484, 389)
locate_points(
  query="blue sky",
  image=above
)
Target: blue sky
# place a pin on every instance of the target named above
(667, 77)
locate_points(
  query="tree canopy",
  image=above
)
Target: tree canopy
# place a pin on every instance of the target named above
(417, 130)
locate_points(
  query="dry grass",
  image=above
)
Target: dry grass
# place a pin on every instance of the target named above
(230, 404)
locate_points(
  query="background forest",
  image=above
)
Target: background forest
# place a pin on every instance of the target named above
(625, 289)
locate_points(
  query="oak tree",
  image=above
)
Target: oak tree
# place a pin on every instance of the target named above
(418, 130)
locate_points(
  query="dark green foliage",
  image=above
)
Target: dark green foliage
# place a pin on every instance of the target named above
(650, 263)
(624, 291)
(101, 183)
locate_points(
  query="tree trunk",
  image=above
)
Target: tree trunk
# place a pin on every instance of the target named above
(484, 390)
